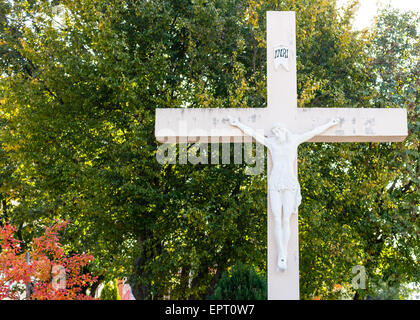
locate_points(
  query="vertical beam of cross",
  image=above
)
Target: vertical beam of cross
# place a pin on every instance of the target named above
(282, 99)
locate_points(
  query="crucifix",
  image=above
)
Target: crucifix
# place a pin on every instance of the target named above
(225, 125)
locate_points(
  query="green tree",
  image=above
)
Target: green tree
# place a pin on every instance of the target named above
(85, 86)
(361, 205)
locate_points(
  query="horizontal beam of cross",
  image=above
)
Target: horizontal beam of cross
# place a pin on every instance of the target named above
(211, 125)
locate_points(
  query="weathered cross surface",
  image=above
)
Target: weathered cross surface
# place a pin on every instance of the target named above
(210, 125)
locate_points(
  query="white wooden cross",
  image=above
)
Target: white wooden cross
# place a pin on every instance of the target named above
(209, 125)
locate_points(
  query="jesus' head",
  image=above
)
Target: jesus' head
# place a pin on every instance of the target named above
(281, 133)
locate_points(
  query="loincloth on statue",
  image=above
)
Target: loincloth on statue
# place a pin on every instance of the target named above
(291, 186)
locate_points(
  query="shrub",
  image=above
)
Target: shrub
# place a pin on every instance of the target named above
(110, 291)
(243, 283)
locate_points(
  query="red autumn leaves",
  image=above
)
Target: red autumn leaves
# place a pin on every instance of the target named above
(46, 253)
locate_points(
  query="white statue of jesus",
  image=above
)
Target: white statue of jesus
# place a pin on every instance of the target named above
(283, 184)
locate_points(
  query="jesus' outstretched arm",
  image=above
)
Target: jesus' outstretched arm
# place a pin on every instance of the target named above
(248, 130)
(312, 133)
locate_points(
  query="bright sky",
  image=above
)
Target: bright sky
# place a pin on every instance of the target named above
(368, 8)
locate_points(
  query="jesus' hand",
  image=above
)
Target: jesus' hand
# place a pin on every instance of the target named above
(233, 121)
(334, 122)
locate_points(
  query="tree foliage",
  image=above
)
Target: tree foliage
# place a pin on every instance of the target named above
(80, 81)
(361, 205)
